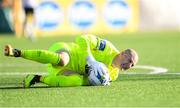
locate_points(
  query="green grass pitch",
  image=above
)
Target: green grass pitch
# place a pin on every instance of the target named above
(160, 49)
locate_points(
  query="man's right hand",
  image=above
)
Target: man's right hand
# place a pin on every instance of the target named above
(99, 68)
(95, 65)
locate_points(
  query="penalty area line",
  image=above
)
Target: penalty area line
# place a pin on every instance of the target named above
(46, 73)
(22, 73)
(22, 65)
(154, 69)
(174, 73)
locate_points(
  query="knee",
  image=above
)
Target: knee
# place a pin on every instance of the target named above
(64, 58)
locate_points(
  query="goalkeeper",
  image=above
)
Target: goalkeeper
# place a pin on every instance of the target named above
(67, 61)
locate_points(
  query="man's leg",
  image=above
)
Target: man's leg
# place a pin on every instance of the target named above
(57, 81)
(31, 80)
(42, 56)
(65, 81)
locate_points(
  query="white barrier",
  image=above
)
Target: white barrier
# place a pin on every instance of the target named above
(159, 14)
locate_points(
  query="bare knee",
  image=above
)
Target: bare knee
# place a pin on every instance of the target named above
(64, 58)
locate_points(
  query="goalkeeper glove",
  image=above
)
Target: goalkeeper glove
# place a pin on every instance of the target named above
(100, 70)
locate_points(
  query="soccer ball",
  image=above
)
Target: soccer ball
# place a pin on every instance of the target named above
(97, 77)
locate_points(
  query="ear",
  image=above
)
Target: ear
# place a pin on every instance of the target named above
(122, 53)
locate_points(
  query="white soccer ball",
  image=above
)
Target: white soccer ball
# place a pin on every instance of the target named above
(99, 78)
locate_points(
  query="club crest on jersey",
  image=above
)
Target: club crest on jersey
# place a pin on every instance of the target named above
(102, 45)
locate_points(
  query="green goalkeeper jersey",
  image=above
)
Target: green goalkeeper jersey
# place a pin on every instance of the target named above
(85, 45)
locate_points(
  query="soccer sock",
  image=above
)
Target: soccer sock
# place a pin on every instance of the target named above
(65, 81)
(36, 79)
(42, 56)
(16, 52)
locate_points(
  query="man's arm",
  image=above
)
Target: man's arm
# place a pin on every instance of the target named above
(90, 42)
(87, 42)
(103, 51)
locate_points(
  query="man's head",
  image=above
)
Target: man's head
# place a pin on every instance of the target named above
(126, 59)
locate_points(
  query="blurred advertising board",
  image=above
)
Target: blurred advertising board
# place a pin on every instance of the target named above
(67, 17)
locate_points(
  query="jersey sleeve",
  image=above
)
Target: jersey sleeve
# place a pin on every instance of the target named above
(87, 42)
(101, 49)
(90, 42)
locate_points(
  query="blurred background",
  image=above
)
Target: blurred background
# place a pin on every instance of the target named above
(151, 27)
(37, 18)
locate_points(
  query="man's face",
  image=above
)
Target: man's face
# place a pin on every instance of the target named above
(127, 61)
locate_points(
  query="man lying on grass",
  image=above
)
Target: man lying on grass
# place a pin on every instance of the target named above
(89, 60)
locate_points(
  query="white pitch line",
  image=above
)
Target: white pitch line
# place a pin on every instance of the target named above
(22, 73)
(21, 65)
(46, 73)
(174, 73)
(155, 70)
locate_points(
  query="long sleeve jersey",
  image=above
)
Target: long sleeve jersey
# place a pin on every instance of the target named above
(87, 45)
